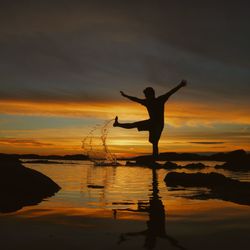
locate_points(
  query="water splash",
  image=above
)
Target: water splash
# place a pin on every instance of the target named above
(95, 145)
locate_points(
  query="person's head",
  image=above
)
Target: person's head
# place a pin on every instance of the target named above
(149, 93)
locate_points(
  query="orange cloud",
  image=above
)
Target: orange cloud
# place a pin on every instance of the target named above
(177, 114)
(68, 140)
(24, 142)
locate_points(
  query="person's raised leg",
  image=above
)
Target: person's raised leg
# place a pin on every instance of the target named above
(116, 123)
(124, 125)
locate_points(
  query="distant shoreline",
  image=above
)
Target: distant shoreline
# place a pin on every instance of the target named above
(167, 156)
(76, 157)
(221, 156)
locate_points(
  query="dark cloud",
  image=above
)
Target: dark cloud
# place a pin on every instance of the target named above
(89, 50)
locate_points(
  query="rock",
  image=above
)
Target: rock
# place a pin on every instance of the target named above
(171, 165)
(95, 186)
(220, 187)
(242, 164)
(195, 166)
(210, 180)
(21, 186)
(148, 163)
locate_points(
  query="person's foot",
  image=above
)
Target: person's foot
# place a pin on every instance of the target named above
(115, 124)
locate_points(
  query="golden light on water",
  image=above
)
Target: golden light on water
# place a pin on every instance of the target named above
(123, 188)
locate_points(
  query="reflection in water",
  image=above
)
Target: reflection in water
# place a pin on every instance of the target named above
(156, 222)
(100, 178)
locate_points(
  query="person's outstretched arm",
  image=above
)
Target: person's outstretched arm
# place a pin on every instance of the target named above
(132, 98)
(183, 83)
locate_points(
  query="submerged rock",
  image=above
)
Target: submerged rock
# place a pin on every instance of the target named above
(237, 160)
(198, 165)
(236, 165)
(174, 179)
(171, 165)
(95, 186)
(220, 187)
(21, 186)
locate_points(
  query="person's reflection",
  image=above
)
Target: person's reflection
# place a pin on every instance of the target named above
(156, 222)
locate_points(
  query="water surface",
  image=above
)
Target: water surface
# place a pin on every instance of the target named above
(139, 194)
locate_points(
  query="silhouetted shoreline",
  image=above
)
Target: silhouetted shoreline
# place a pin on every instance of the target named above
(172, 156)
(238, 160)
(166, 156)
(43, 162)
(76, 157)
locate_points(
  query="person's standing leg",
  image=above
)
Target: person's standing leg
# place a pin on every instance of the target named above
(155, 150)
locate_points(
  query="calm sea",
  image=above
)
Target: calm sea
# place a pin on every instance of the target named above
(85, 185)
(138, 194)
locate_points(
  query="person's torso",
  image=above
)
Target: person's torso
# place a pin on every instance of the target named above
(155, 109)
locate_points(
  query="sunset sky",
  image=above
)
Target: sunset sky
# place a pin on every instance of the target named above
(63, 64)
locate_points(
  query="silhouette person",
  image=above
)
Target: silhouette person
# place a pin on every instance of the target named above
(155, 107)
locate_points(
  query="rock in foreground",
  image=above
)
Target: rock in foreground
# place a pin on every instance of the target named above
(21, 186)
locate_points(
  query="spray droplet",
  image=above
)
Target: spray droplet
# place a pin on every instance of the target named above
(95, 145)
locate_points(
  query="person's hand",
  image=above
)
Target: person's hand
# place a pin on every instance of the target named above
(122, 93)
(183, 83)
